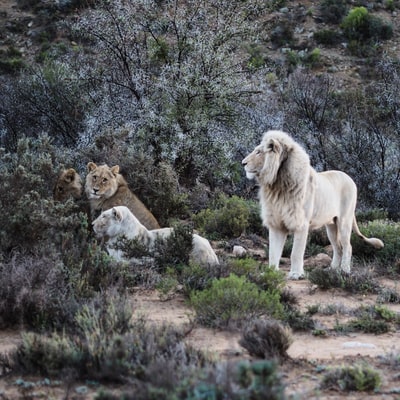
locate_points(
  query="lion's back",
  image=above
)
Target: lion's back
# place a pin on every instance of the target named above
(124, 197)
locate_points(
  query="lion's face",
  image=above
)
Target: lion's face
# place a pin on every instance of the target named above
(69, 184)
(254, 162)
(108, 223)
(266, 159)
(101, 181)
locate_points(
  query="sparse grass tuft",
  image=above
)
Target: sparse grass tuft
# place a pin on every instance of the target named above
(266, 339)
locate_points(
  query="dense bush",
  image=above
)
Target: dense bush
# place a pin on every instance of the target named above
(360, 25)
(359, 377)
(232, 301)
(229, 217)
(332, 11)
(389, 233)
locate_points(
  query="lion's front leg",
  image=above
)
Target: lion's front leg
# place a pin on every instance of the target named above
(277, 240)
(297, 255)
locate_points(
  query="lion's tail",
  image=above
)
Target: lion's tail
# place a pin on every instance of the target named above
(377, 243)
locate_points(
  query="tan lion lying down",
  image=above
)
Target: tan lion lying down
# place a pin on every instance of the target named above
(119, 221)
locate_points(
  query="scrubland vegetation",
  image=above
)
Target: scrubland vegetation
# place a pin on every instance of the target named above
(177, 94)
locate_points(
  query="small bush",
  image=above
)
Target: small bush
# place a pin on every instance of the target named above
(375, 319)
(261, 379)
(298, 320)
(229, 217)
(359, 25)
(388, 232)
(328, 37)
(355, 282)
(361, 378)
(266, 339)
(108, 346)
(332, 11)
(232, 301)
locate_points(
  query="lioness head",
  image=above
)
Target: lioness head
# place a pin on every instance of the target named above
(109, 223)
(69, 184)
(265, 160)
(101, 181)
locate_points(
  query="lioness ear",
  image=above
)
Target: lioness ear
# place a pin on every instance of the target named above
(91, 166)
(115, 169)
(70, 175)
(116, 214)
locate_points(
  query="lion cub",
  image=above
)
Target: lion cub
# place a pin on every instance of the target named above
(106, 188)
(68, 184)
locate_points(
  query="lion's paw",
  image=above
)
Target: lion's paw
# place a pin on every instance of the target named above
(296, 275)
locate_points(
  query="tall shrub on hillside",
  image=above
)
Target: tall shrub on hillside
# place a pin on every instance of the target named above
(167, 69)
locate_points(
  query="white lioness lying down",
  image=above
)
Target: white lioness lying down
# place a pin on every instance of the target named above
(119, 221)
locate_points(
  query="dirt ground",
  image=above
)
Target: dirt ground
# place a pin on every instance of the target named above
(309, 355)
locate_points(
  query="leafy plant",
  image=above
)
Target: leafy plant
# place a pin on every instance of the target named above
(233, 300)
(360, 25)
(361, 378)
(229, 217)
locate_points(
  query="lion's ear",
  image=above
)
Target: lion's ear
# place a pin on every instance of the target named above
(274, 146)
(116, 214)
(115, 169)
(91, 166)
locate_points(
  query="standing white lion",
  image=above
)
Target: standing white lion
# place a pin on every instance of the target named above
(295, 198)
(119, 221)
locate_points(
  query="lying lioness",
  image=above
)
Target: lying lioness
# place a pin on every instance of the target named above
(119, 221)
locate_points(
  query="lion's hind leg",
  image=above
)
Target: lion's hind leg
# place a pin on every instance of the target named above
(345, 229)
(332, 232)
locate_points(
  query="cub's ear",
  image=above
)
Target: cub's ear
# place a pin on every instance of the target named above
(117, 214)
(115, 169)
(91, 166)
(70, 175)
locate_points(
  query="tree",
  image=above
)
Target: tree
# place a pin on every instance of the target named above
(168, 71)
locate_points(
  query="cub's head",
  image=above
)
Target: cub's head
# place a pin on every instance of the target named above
(69, 184)
(264, 161)
(109, 223)
(101, 181)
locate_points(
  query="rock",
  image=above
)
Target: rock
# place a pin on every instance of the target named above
(354, 345)
(239, 251)
(321, 260)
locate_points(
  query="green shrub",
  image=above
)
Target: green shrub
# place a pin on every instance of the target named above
(374, 319)
(229, 217)
(361, 378)
(259, 380)
(233, 300)
(388, 232)
(360, 25)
